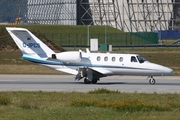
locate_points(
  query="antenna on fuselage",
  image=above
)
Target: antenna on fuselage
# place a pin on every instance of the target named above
(87, 50)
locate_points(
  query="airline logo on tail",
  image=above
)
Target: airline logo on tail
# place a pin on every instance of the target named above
(31, 45)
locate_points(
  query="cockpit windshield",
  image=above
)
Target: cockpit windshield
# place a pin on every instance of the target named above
(141, 59)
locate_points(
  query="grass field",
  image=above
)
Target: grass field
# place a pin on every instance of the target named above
(99, 104)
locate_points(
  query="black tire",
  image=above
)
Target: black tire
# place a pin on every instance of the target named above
(152, 81)
(86, 81)
(94, 81)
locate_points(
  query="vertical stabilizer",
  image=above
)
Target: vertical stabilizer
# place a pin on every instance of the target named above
(28, 43)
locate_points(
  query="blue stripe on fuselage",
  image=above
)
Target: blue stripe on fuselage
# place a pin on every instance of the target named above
(41, 60)
(50, 62)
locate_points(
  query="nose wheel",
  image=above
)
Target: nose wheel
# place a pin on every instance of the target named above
(152, 81)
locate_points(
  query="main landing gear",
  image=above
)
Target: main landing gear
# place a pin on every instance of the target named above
(86, 81)
(152, 81)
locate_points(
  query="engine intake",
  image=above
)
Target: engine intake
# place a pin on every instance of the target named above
(54, 56)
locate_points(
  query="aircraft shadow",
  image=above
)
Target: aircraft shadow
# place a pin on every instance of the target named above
(76, 82)
(128, 83)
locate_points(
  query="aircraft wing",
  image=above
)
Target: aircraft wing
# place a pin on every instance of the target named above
(101, 71)
(91, 72)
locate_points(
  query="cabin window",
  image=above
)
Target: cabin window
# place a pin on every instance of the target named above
(133, 59)
(113, 59)
(120, 59)
(98, 58)
(106, 58)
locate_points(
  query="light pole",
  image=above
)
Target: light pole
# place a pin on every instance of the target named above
(88, 34)
(105, 41)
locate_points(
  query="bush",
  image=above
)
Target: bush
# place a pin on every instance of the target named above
(123, 105)
(4, 100)
(25, 104)
(132, 106)
(84, 103)
(102, 91)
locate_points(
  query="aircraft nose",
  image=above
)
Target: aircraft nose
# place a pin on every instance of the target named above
(171, 71)
(160, 70)
(167, 71)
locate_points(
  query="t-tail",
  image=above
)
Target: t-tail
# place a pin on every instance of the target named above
(29, 44)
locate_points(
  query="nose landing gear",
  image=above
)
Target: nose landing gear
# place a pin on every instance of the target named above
(152, 81)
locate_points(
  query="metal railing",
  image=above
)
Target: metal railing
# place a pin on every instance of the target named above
(119, 39)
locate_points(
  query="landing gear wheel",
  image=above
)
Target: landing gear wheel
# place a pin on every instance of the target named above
(94, 81)
(152, 81)
(86, 81)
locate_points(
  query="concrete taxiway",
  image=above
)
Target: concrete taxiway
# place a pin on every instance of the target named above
(66, 83)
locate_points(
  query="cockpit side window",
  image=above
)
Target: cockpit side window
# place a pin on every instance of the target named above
(141, 59)
(133, 59)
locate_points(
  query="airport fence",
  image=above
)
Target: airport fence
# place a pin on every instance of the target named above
(168, 34)
(121, 39)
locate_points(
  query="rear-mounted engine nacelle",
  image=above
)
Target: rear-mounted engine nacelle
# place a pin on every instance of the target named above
(68, 56)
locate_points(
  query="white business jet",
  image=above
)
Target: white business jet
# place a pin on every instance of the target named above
(87, 65)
